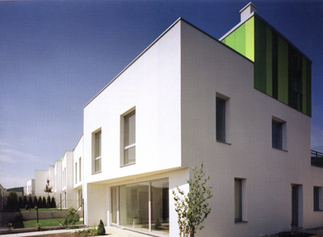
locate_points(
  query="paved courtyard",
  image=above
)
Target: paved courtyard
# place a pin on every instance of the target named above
(111, 231)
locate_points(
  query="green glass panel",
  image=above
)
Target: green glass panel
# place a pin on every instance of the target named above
(240, 39)
(269, 60)
(304, 89)
(282, 71)
(308, 88)
(250, 39)
(260, 56)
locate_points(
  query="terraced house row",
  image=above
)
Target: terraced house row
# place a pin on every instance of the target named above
(241, 104)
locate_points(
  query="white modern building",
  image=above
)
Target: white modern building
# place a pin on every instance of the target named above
(30, 187)
(241, 105)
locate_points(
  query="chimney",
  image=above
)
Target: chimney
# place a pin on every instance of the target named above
(247, 11)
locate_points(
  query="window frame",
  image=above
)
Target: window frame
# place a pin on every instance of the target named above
(222, 118)
(278, 134)
(241, 207)
(75, 165)
(317, 198)
(96, 157)
(80, 169)
(124, 144)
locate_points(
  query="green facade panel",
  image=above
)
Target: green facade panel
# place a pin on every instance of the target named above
(278, 72)
(282, 71)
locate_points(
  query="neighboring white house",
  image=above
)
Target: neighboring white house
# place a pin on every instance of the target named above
(241, 105)
(68, 192)
(78, 171)
(30, 187)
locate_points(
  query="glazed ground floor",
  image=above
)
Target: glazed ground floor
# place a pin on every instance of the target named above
(241, 205)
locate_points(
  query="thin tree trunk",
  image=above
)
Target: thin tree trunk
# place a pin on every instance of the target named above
(192, 232)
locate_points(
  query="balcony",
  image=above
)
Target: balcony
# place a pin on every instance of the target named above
(316, 158)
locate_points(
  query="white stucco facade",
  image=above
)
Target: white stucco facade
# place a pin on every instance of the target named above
(170, 92)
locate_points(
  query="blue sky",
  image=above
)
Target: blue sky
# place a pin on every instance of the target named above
(55, 56)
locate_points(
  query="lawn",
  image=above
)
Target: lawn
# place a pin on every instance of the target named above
(46, 222)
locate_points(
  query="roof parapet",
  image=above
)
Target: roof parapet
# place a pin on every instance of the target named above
(247, 11)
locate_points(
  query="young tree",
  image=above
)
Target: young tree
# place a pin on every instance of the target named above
(48, 189)
(192, 208)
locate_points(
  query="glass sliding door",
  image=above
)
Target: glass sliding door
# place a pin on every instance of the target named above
(134, 206)
(142, 206)
(159, 206)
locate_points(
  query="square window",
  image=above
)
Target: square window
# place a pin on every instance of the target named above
(278, 134)
(129, 141)
(220, 120)
(97, 152)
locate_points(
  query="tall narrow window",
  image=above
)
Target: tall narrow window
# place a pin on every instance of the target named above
(317, 198)
(80, 169)
(130, 138)
(97, 152)
(278, 134)
(76, 173)
(220, 119)
(238, 200)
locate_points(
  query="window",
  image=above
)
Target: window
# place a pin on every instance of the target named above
(129, 154)
(76, 173)
(278, 134)
(317, 199)
(220, 120)
(97, 152)
(80, 169)
(239, 205)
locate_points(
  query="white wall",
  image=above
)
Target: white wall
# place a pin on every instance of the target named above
(41, 177)
(208, 67)
(151, 84)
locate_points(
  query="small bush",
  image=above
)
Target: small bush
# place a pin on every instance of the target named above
(38, 225)
(87, 232)
(18, 221)
(26, 208)
(71, 217)
(101, 229)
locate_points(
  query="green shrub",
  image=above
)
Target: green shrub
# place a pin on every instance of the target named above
(18, 221)
(38, 225)
(101, 229)
(26, 208)
(71, 217)
(87, 232)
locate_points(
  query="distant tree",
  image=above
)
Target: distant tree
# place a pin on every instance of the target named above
(24, 201)
(30, 202)
(53, 203)
(20, 202)
(40, 202)
(44, 202)
(48, 202)
(48, 189)
(12, 202)
(35, 203)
